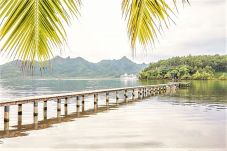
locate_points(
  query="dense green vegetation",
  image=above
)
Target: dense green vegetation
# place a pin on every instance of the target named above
(202, 67)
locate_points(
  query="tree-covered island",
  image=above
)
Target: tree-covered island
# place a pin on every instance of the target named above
(203, 67)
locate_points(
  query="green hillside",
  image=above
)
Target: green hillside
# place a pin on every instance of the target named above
(73, 68)
(203, 67)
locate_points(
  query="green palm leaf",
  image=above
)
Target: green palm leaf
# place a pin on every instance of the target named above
(145, 19)
(31, 29)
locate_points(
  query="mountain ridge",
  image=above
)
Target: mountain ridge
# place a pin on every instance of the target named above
(78, 67)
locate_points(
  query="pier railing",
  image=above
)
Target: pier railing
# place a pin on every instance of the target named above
(142, 92)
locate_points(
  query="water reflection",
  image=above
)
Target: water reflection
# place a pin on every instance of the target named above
(207, 92)
(21, 130)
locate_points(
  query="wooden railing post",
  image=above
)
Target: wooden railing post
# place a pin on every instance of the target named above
(35, 114)
(133, 94)
(126, 97)
(156, 90)
(165, 88)
(147, 91)
(6, 118)
(138, 93)
(19, 120)
(143, 93)
(66, 106)
(151, 91)
(83, 103)
(58, 108)
(45, 110)
(78, 106)
(117, 98)
(95, 102)
(107, 99)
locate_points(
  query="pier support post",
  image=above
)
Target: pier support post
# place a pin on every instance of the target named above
(35, 114)
(168, 88)
(126, 96)
(6, 118)
(66, 106)
(138, 94)
(83, 104)
(58, 108)
(173, 89)
(117, 98)
(155, 90)
(95, 102)
(107, 99)
(152, 91)
(77, 106)
(148, 90)
(133, 94)
(164, 88)
(19, 120)
(143, 93)
(45, 110)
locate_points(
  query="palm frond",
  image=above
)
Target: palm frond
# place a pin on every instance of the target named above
(32, 29)
(146, 19)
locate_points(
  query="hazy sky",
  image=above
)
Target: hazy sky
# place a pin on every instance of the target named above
(100, 32)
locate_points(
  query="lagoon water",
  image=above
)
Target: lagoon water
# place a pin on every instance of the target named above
(189, 119)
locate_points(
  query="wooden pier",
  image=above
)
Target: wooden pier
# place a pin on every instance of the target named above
(135, 93)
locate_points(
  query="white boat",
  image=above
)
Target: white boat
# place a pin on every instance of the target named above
(128, 77)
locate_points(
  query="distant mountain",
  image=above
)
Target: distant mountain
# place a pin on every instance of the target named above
(73, 68)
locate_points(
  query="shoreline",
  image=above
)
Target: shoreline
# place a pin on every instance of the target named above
(183, 80)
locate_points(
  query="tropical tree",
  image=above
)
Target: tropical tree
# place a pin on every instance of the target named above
(32, 29)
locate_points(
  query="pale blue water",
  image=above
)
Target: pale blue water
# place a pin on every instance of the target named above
(193, 118)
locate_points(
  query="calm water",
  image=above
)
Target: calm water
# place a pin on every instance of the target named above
(24, 87)
(189, 119)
